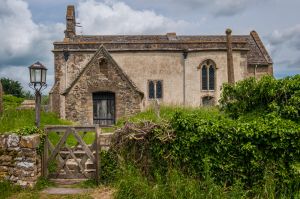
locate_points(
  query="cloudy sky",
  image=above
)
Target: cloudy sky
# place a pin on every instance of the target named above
(29, 27)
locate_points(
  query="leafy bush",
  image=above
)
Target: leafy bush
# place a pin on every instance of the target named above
(269, 95)
(235, 150)
(109, 166)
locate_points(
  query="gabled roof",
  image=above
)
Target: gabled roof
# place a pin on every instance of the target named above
(257, 53)
(103, 52)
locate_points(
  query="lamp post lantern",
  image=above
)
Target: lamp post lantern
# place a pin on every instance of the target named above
(38, 73)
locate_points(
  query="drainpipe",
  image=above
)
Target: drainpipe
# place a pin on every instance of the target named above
(230, 69)
(184, 54)
(255, 71)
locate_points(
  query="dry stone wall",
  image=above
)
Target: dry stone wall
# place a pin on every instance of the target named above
(20, 162)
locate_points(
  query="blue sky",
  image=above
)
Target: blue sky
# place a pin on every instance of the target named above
(29, 27)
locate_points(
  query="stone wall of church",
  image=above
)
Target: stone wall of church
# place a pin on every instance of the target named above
(79, 100)
(167, 66)
(144, 66)
(65, 73)
(194, 93)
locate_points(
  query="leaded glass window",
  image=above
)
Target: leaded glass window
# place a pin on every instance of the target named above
(155, 88)
(151, 90)
(158, 89)
(208, 75)
(211, 76)
(204, 77)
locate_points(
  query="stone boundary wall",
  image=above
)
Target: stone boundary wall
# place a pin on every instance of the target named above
(20, 162)
(105, 140)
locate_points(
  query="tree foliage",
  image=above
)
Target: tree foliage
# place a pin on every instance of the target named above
(281, 97)
(12, 87)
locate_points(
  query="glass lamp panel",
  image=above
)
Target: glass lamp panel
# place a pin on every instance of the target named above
(32, 75)
(38, 75)
(44, 73)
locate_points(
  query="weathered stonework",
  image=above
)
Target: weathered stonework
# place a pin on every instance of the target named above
(100, 74)
(172, 59)
(19, 160)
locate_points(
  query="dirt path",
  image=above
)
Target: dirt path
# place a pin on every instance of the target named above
(67, 193)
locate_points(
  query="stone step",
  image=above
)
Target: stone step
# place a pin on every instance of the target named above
(67, 181)
(65, 191)
(77, 153)
(73, 165)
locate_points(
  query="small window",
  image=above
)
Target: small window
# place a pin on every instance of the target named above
(208, 75)
(151, 90)
(159, 89)
(155, 88)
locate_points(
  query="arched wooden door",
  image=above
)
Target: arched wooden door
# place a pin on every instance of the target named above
(104, 108)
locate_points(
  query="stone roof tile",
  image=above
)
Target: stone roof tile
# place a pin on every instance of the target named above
(256, 55)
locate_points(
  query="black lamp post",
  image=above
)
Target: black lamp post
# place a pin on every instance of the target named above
(38, 74)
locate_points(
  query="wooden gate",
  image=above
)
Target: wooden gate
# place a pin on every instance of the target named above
(71, 152)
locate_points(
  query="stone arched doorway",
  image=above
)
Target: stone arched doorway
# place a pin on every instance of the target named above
(104, 108)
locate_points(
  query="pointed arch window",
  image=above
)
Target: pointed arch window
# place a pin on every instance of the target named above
(208, 68)
(204, 77)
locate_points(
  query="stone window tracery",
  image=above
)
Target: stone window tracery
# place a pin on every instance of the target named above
(208, 70)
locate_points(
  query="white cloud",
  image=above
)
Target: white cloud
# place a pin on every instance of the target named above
(113, 17)
(285, 48)
(24, 41)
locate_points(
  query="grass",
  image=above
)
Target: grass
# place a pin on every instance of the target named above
(13, 119)
(166, 113)
(132, 184)
(71, 140)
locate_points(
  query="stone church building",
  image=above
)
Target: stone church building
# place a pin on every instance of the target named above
(101, 78)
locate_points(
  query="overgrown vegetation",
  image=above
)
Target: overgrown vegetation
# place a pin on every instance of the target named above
(250, 151)
(268, 95)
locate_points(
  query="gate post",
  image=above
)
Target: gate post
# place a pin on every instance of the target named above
(97, 158)
(45, 157)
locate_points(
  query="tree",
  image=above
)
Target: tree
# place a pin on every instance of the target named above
(12, 87)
